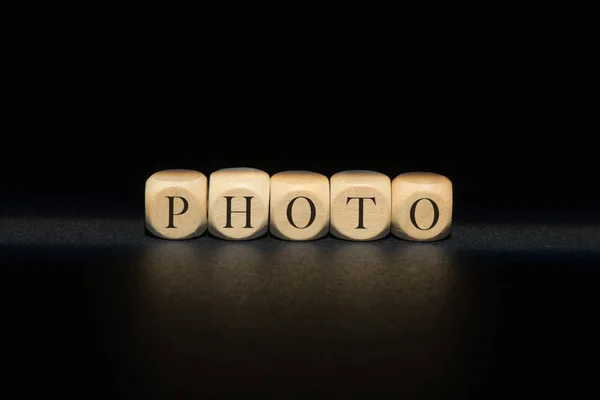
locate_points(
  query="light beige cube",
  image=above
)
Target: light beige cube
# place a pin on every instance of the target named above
(299, 205)
(361, 205)
(175, 204)
(421, 206)
(238, 203)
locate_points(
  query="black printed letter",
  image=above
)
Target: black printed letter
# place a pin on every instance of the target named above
(313, 212)
(436, 214)
(229, 212)
(171, 209)
(361, 209)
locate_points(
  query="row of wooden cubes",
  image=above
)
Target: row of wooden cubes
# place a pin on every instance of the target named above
(246, 203)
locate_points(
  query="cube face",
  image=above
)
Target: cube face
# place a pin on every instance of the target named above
(238, 203)
(421, 206)
(176, 204)
(299, 205)
(360, 205)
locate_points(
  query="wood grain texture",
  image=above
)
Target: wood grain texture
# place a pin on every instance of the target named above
(299, 205)
(238, 203)
(176, 204)
(422, 204)
(360, 205)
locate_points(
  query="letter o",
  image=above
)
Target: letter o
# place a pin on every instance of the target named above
(436, 214)
(313, 212)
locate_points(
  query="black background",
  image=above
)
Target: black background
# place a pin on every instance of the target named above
(514, 161)
(506, 307)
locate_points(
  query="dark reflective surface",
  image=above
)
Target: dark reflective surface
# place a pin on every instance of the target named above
(169, 320)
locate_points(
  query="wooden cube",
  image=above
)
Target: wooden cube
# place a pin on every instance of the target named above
(360, 205)
(299, 205)
(175, 202)
(421, 206)
(238, 203)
